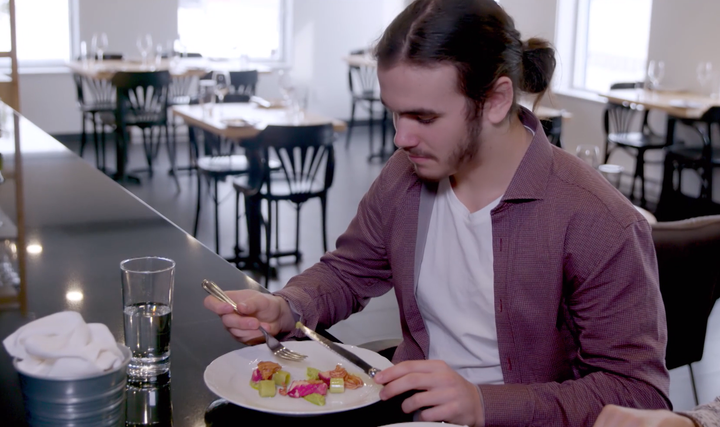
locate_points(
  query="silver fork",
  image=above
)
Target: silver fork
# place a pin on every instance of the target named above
(275, 346)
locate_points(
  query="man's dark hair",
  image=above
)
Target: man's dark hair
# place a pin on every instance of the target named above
(477, 37)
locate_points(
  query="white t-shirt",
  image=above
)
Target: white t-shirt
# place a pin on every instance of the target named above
(455, 291)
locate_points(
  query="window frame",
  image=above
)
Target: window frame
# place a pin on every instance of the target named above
(284, 56)
(29, 65)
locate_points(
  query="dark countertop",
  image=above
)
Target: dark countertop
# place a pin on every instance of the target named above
(86, 224)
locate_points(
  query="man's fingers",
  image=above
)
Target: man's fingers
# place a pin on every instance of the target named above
(216, 306)
(413, 381)
(404, 368)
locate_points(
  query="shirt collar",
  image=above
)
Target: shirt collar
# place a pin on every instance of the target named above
(531, 176)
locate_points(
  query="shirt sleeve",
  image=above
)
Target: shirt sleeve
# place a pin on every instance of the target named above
(617, 319)
(345, 279)
(707, 415)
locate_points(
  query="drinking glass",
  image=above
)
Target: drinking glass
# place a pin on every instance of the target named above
(286, 86)
(222, 84)
(147, 293)
(144, 45)
(83, 53)
(206, 96)
(656, 72)
(612, 173)
(704, 75)
(589, 154)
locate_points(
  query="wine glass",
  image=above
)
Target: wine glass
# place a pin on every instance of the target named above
(144, 45)
(704, 74)
(286, 86)
(589, 154)
(83, 53)
(656, 71)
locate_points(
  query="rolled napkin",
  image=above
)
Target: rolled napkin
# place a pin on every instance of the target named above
(63, 345)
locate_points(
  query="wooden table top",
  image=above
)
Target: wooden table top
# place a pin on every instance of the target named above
(106, 69)
(361, 60)
(260, 118)
(684, 105)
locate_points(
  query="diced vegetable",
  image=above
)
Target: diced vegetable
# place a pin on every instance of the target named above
(337, 385)
(267, 388)
(312, 373)
(317, 399)
(281, 378)
(303, 388)
(255, 384)
(256, 376)
(324, 376)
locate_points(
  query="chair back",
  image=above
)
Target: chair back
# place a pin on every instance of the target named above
(687, 252)
(622, 118)
(362, 80)
(93, 91)
(553, 130)
(181, 89)
(243, 85)
(306, 157)
(142, 97)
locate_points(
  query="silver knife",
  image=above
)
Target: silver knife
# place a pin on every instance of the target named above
(338, 350)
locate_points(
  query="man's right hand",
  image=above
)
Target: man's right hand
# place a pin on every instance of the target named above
(256, 308)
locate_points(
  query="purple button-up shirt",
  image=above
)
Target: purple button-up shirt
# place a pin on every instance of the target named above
(580, 321)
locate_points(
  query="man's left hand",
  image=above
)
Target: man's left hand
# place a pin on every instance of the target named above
(448, 396)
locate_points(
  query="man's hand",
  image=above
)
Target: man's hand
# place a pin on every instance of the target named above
(447, 395)
(272, 312)
(616, 416)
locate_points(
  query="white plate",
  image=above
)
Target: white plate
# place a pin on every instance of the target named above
(228, 376)
(422, 424)
(237, 123)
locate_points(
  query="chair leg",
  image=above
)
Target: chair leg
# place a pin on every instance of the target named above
(83, 135)
(197, 208)
(237, 224)
(148, 150)
(371, 130)
(95, 141)
(277, 226)
(172, 150)
(268, 239)
(350, 125)
(297, 234)
(640, 173)
(102, 146)
(323, 204)
(692, 380)
(217, 215)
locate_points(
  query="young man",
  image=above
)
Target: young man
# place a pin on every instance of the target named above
(527, 285)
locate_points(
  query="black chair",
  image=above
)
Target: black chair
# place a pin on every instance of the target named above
(93, 97)
(307, 167)
(142, 102)
(688, 252)
(702, 159)
(553, 130)
(219, 162)
(622, 131)
(364, 91)
(243, 86)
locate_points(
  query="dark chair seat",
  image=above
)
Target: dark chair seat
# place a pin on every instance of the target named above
(637, 140)
(694, 153)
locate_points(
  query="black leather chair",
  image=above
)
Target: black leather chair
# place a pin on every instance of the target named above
(688, 252)
(702, 159)
(622, 131)
(243, 86)
(306, 169)
(94, 97)
(142, 102)
(362, 82)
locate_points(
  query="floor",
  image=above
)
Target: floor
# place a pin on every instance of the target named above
(354, 174)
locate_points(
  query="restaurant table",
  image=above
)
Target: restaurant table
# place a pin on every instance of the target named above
(258, 118)
(182, 67)
(72, 225)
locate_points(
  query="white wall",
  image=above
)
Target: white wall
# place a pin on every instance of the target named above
(323, 32)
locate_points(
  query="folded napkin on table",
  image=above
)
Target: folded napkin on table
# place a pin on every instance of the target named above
(63, 345)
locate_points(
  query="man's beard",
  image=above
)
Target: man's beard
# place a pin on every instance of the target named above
(464, 152)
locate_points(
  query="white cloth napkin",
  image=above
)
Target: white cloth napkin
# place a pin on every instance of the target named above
(63, 345)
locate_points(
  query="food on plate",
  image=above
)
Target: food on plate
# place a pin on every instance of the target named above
(351, 381)
(317, 399)
(268, 376)
(337, 385)
(267, 388)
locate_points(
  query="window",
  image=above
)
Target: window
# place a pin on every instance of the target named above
(611, 42)
(233, 28)
(43, 31)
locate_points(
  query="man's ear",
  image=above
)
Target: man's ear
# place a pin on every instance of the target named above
(499, 101)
